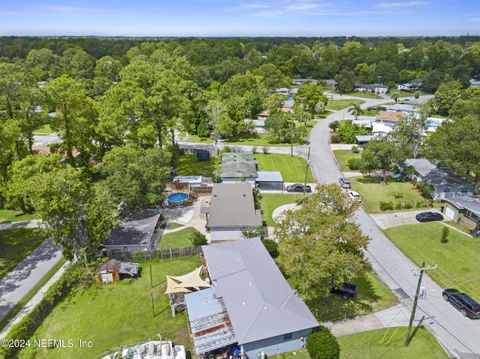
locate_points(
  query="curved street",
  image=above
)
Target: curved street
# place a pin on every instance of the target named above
(458, 334)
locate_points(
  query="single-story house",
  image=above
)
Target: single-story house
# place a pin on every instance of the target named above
(465, 210)
(238, 167)
(474, 82)
(231, 211)
(376, 88)
(405, 108)
(283, 90)
(385, 122)
(301, 82)
(365, 121)
(362, 139)
(258, 124)
(409, 86)
(133, 235)
(114, 270)
(250, 305)
(329, 82)
(444, 182)
(270, 180)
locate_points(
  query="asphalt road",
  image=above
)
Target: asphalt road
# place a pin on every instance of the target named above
(459, 335)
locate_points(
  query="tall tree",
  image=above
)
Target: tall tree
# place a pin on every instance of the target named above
(12, 79)
(409, 133)
(381, 155)
(308, 96)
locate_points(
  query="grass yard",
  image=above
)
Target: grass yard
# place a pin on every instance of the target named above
(336, 105)
(457, 260)
(188, 165)
(15, 245)
(177, 239)
(364, 95)
(370, 112)
(389, 343)
(292, 168)
(195, 138)
(343, 156)
(173, 225)
(298, 354)
(116, 314)
(270, 201)
(44, 130)
(373, 193)
(8, 215)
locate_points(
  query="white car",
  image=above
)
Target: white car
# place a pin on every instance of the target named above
(354, 195)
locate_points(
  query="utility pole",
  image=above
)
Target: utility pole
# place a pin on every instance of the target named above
(415, 301)
(306, 172)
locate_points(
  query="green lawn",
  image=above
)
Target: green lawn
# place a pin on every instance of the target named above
(195, 138)
(45, 129)
(15, 245)
(389, 343)
(364, 95)
(343, 156)
(373, 193)
(298, 354)
(116, 314)
(292, 168)
(8, 215)
(336, 105)
(270, 201)
(173, 225)
(177, 239)
(370, 112)
(188, 165)
(457, 260)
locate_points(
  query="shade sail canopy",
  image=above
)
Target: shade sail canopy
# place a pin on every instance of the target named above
(185, 283)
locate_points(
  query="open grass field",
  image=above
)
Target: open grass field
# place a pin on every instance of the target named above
(188, 165)
(116, 314)
(336, 105)
(177, 239)
(44, 130)
(457, 260)
(292, 168)
(373, 193)
(270, 201)
(15, 245)
(343, 156)
(361, 94)
(8, 215)
(389, 343)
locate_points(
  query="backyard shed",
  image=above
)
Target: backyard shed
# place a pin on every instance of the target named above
(114, 270)
(270, 180)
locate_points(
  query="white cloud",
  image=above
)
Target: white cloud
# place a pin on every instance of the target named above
(388, 5)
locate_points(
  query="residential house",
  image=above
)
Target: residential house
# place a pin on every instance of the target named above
(475, 82)
(444, 182)
(404, 108)
(410, 86)
(136, 234)
(376, 88)
(238, 167)
(301, 82)
(250, 306)
(231, 211)
(465, 210)
(258, 124)
(385, 121)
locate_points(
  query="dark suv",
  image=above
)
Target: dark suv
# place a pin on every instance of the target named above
(298, 187)
(466, 305)
(344, 183)
(346, 291)
(429, 217)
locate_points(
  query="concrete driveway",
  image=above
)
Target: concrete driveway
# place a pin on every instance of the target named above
(387, 220)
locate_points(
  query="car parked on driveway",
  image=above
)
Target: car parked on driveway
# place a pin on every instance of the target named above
(344, 183)
(429, 217)
(355, 196)
(346, 291)
(466, 305)
(298, 187)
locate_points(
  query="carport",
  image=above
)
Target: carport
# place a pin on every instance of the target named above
(270, 180)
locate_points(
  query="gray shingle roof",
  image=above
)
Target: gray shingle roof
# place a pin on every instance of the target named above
(421, 165)
(259, 301)
(137, 230)
(269, 176)
(469, 203)
(232, 205)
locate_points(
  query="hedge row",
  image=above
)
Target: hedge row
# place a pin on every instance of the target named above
(388, 206)
(27, 326)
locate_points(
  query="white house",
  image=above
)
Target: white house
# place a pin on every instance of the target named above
(376, 88)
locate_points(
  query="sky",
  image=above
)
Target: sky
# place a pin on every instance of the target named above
(240, 18)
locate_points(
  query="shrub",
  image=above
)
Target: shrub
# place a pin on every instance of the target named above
(272, 247)
(398, 205)
(408, 205)
(355, 149)
(322, 344)
(445, 233)
(198, 239)
(397, 195)
(386, 206)
(334, 138)
(227, 149)
(334, 125)
(354, 163)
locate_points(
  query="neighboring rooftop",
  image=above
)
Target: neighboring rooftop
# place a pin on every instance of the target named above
(370, 86)
(238, 165)
(471, 204)
(390, 116)
(258, 299)
(137, 230)
(232, 205)
(421, 165)
(269, 176)
(400, 108)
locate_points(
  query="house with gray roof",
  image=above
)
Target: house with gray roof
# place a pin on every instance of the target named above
(465, 210)
(250, 304)
(231, 211)
(445, 183)
(238, 167)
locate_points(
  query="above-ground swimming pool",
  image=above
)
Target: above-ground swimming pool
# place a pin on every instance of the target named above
(177, 197)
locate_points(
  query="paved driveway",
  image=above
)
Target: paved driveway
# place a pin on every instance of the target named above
(387, 220)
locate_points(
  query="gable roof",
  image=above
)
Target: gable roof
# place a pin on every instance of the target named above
(421, 165)
(259, 301)
(232, 205)
(390, 116)
(138, 230)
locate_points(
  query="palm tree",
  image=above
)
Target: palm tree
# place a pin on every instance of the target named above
(355, 110)
(319, 107)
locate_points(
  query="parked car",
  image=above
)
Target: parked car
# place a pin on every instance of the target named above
(346, 291)
(466, 305)
(429, 217)
(344, 183)
(298, 187)
(475, 233)
(355, 196)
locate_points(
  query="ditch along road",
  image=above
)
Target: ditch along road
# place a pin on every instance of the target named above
(460, 335)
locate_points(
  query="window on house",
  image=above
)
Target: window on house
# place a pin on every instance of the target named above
(287, 336)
